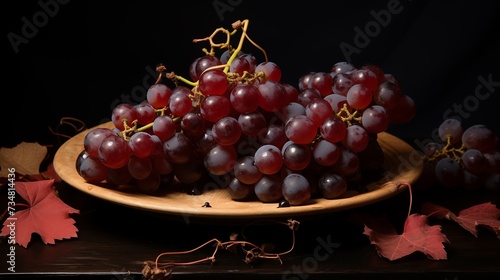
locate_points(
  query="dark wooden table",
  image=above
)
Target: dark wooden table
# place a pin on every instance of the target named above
(114, 241)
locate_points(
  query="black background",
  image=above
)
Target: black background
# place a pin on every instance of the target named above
(89, 55)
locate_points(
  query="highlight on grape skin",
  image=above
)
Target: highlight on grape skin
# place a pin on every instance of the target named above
(236, 116)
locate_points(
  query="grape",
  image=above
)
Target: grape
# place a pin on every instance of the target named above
(318, 110)
(271, 70)
(296, 156)
(366, 78)
(291, 110)
(239, 190)
(240, 65)
(268, 159)
(161, 164)
(114, 151)
(158, 95)
(333, 129)
(469, 181)
(342, 67)
(450, 129)
(332, 185)
(180, 103)
(213, 108)
(325, 153)
(323, 82)
(307, 95)
(252, 61)
(266, 140)
(205, 143)
(448, 172)
(301, 129)
(139, 168)
(479, 137)
(150, 184)
(291, 93)
(200, 64)
(375, 119)
(341, 84)
(246, 172)
(269, 188)
(145, 113)
(296, 189)
(474, 161)
(431, 148)
(387, 95)
(304, 81)
(273, 135)
(359, 96)
(403, 111)
(464, 158)
(226, 131)
(244, 98)
(164, 128)
(91, 169)
(178, 148)
(347, 163)
(123, 113)
(142, 144)
(356, 138)
(189, 172)
(118, 176)
(493, 161)
(93, 140)
(213, 82)
(220, 159)
(379, 73)
(193, 125)
(252, 123)
(272, 96)
(336, 101)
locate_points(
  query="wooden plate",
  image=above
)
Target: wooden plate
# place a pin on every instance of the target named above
(400, 165)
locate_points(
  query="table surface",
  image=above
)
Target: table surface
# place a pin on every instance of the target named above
(114, 241)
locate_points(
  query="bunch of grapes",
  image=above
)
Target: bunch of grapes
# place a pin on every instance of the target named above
(466, 157)
(237, 123)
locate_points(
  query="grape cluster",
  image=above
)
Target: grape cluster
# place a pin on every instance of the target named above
(465, 157)
(236, 120)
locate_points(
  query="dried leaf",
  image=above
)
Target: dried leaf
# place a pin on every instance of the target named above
(484, 215)
(25, 158)
(46, 214)
(417, 235)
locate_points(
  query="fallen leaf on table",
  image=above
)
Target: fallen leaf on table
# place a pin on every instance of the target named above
(25, 158)
(417, 235)
(46, 214)
(485, 215)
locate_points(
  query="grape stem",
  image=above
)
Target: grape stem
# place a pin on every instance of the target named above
(447, 151)
(197, 95)
(346, 116)
(252, 251)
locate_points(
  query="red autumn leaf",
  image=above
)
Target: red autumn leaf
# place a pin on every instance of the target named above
(417, 235)
(46, 215)
(485, 215)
